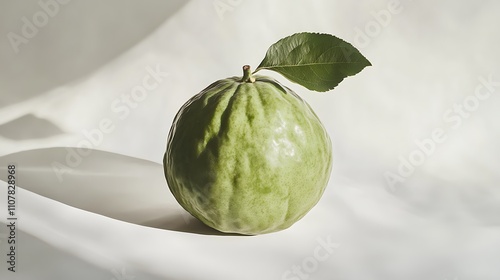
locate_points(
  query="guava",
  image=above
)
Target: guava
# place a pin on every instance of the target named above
(247, 155)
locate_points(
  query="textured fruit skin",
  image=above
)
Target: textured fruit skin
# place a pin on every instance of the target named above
(247, 158)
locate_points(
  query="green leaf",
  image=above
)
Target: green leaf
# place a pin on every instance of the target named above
(316, 61)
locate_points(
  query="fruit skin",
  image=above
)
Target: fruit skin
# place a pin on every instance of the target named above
(247, 157)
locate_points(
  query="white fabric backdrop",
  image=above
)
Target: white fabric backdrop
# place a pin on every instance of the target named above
(109, 214)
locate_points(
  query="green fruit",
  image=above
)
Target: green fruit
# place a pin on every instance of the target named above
(247, 155)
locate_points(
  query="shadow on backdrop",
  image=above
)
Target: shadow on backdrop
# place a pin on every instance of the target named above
(38, 128)
(117, 186)
(78, 38)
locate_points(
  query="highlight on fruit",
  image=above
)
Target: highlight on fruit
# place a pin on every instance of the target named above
(248, 155)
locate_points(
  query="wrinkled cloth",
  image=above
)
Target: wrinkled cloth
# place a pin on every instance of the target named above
(414, 193)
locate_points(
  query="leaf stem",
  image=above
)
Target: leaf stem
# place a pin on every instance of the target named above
(247, 75)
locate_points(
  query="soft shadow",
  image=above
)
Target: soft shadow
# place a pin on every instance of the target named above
(79, 38)
(117, 186)
(39, 128)
(42, 260)
(186, 223)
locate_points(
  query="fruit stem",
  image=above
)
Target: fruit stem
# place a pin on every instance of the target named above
(247, 75)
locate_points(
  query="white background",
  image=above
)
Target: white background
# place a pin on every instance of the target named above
(111, 216)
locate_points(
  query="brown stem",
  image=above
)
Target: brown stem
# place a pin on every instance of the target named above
(247, 75)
